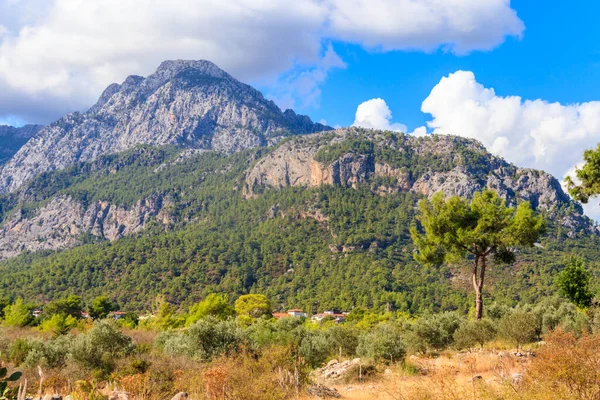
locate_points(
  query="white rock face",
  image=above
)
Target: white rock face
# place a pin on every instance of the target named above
(61, 222)
(190, 103)
(294, 164)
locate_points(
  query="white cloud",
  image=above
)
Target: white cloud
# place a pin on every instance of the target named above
(58, 55)
(460, 26)
(375, 114)
(303, 86)
(530, 133)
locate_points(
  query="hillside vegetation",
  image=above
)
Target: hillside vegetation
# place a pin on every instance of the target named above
(322, 247)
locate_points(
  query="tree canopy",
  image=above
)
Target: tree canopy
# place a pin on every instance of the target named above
(573, 282)
(485, 227)
(588, 175)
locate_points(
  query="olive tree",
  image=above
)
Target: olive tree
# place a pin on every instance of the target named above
(451, 229)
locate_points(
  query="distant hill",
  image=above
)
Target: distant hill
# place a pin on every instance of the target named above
(318, 221)
(12, 139)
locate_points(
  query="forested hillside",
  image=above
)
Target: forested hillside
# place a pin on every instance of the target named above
(339, 243)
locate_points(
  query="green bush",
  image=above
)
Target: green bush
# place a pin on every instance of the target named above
(315, 347)
(98, 349)
(471, 333)
(18, 314)
(58, 324)
(434, 332)
(519, 327)
(384, 343)
(204, 340)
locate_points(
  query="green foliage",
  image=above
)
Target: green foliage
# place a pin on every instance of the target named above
(59, 324)
(70, 306)
(4, 302)
(15, 376)
(484, 227)
(519, 327)
(433, 332)
(573, 282)
(215, 305)
(588, 175)
(204, 340)
(253, 306)
(384, 344)
(315, 347)
(101, 306)
(18, 314)
(164, 316)
(471, 333)
(99, 348)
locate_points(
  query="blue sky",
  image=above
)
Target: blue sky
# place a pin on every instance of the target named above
(557, 59)
(521, 76)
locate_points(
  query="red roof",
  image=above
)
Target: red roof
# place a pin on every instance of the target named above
(279, 315)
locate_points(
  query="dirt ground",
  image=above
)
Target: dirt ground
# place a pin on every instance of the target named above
(456, 372)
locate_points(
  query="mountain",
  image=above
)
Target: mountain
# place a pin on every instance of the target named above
(420, 165)
(321, 218)
(192, 104)
(12, 139)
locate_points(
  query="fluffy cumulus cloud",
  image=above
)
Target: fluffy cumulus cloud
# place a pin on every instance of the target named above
(459, 26)
(531, 133)
(375, 114)
(58, 55)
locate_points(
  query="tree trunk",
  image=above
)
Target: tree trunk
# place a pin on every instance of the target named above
(478, 277)
(478, 284)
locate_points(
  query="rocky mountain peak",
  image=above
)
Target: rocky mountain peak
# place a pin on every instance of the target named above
(193, 104)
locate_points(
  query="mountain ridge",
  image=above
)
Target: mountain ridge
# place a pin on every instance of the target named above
(13, 138)
(190, 103)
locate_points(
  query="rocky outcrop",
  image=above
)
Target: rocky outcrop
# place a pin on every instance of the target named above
(453, 165)
(193, 104)
(12, 139)
(62, 221)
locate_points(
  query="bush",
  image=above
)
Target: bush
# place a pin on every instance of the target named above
(101, 346)
(214, 305)
(433, 332)
(471, 333)
(519, 327)
(314, 348)
(382, 344)
(344, 340)
(59, 324)
(18, 314)
(204, 340)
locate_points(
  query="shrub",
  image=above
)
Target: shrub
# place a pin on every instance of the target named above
(519, 327)
(18, 314)
(204, 340)
(214, 305)
(565, 368)
(314, 348)
(433, 332)
(101, 346)
(344, 340)
(573, 282)
(471, 333)
(382, 344)
(253, 306)
(59, 324)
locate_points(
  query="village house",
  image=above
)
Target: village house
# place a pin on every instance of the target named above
(335, 314)
(295, 312)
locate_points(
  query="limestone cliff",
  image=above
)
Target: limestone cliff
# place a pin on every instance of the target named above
(423, 165)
